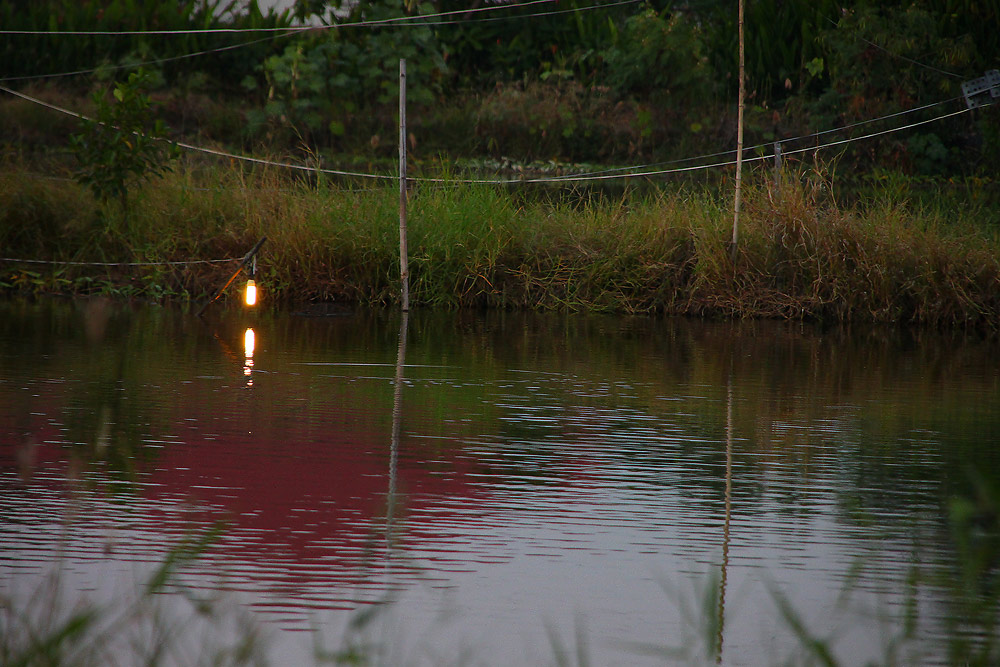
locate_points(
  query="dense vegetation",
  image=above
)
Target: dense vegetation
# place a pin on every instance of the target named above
(801, 256)
(900, 226)
(628, 81)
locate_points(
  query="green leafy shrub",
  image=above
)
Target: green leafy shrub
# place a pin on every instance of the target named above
(880, 60)
(780, 42)
(658, 56)
(319, 85)
(124, 144)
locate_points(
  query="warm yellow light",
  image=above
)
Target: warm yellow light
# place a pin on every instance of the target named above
(251, 292)
(248, 343)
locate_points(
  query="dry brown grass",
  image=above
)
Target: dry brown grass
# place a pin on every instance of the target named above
(801, 255)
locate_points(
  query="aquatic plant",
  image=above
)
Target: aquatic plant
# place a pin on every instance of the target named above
(54, 626)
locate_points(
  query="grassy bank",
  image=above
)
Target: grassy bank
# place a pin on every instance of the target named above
(801, 254)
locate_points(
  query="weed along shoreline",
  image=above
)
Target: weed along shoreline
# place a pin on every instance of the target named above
(802, 254)
(586, 164)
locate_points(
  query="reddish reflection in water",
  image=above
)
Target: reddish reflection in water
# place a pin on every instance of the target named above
(300, 496)
(302, 472)
(525, 476)
(305, 500)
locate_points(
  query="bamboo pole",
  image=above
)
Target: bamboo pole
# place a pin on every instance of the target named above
(739, 142)
(404, 269)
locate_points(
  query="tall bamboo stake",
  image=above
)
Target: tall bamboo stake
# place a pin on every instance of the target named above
(739, 143)
(404, 269)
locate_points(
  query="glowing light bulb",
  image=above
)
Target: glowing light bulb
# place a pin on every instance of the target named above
(248, 343)
(251, 295)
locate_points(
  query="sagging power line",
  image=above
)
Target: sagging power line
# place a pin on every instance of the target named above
(635, 172)
(278, 33)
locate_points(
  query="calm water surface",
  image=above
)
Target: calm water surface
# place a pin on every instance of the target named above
(501, 489)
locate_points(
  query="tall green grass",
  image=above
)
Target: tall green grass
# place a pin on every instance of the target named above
(801, 254)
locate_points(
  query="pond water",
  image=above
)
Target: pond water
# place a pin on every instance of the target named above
(497, 488)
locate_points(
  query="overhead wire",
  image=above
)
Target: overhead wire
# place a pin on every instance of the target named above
(901, 57)
(202, 149)
(793, 139)
(877, 134)
(814, 134)
(406, 21)
(16, 260)
(911, 60)
(146, 63)
(415, 19)
(677, 170)
(616, 173)
(327, 26)
(285, 165)
(494, 19)
(606, 174)
(132, 33)
(551, 179)
(787, 140)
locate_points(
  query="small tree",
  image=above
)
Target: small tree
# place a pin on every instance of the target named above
(124, 144)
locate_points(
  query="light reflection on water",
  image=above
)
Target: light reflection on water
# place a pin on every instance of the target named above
(499, 476)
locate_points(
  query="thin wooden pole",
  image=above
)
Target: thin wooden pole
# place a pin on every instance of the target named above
(739, 142)
(404, 269)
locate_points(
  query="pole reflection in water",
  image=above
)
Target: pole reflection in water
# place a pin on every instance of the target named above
(725, 525)
(397, 409)
(539, 490)
(249, 343)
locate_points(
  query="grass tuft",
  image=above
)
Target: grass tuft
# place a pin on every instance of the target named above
(801, 255)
